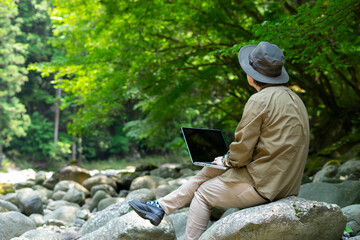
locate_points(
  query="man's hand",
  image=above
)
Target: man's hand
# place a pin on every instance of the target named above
(218, 161)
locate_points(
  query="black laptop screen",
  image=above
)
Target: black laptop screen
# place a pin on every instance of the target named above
(204, 144)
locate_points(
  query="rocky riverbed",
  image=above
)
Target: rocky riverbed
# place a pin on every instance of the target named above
(74, 203)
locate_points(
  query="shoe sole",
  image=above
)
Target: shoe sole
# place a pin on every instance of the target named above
(153, 218)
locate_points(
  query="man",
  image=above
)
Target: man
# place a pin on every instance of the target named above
(266, 159)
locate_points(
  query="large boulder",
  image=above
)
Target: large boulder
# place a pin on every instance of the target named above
(29, 201)
(342, 194)
(291, 218)
(13, 224)
(74, 173)
(131, 226)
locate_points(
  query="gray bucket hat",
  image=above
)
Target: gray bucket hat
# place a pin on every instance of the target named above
(264, 63)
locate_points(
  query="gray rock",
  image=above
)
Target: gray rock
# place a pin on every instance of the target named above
(142, 195)
(53, 205)
(38, 219)
(106, 188)
(20, 185)
(8, 206)
(229, 211)
(40, 177)
(99, 195)
(179, 219)
(164, 190)
(37, 234)
(74, 195)
(342, 194)
(55, 222)
(104, 203)
(29, 202)
(291, 218)
(352, 214)
(100, 219)
(350, 167)
(50, 183)
(123, 181)
(66, 214)
(326, 173)
(97, 180)
(83, 214)
(74, 173)
(131, 226)
(14, 224)
(166, 171)
(12, 197)
(147, 182)
(58, 195)
(68, 184)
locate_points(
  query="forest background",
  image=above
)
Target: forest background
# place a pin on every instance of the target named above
(91, 80)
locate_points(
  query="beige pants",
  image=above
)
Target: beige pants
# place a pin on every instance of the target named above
(206, 190)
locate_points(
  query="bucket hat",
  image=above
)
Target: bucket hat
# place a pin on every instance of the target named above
(264, 63)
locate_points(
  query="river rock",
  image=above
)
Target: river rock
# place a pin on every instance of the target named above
(8, 206)
(147, 182)
(100, 219)
(352, 214)
(97, 180)
(350, 167)
(106, 188)
(131, 226)
(66, 214)
(74, 173)
(27, 184)
(53, 205)
(40, 177)
(38, 234)
(123, 181)
(104, 203)
(142, 195)
(342, 194)
(164, 190)
(291, 218)
(99, 195)
(13, 224)
(29, 202)
(38, 219)
(179, 219)
(68, 184)
(167, 171)
(326, 174)
(74, 195)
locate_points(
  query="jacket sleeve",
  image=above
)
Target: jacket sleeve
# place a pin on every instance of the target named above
(247, 135)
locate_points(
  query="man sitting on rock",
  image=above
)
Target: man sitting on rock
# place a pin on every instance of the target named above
(266, 159)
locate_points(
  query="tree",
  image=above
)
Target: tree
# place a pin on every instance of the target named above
(157, 65)
(13, 118)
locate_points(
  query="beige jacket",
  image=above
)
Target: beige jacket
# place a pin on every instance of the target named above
(271, 143)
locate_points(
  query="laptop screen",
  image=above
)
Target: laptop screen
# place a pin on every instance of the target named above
(204, 144)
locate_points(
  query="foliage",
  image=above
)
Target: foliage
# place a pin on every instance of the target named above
(13, 118)
(149, 67)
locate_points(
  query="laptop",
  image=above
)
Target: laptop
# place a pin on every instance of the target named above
(204, 145)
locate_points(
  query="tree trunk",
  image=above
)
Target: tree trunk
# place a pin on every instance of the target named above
(73, 150)
(57, 115)
(80, 149)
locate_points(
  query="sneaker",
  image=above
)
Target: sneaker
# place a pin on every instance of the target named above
(150, 211)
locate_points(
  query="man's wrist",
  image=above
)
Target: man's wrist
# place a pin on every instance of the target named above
(223, 159)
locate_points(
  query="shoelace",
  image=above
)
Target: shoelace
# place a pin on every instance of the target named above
(154, 203)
